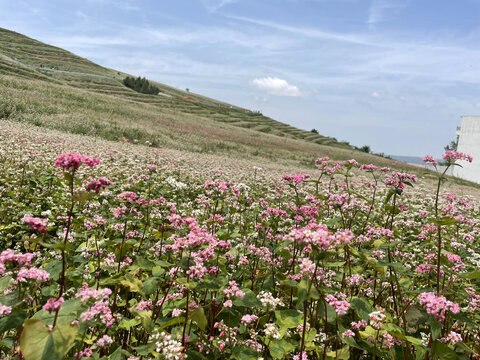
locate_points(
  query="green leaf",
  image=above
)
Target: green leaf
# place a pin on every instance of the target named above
(446, 220)
(37, 343)
(150, 286)
(471, 275)
(415, 316)
(435, 328)
(12, 321)
(158, 271)
(117, 354)
(443, 351)
(54, 268)
(134, 284)
(145, 349)
(63, 337)
(421, 352)
(279, 349)
(248, 300)
(288, 319)
(68, 312)
(242, 353)
(340, 354)
(128, 323)
(199, 317)
(362, 307)
(83, 196)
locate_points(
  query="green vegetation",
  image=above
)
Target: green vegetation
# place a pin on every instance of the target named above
(140, 85)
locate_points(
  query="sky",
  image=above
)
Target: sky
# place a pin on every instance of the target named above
(392, 74)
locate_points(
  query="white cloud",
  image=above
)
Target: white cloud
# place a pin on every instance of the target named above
(375, 94)
(276, 86)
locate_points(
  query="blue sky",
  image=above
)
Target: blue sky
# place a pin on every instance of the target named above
(393, 74)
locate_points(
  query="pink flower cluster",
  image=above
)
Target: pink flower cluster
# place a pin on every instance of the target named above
(453, 337)
(398, 179)
(5, 310)
(451, 156)
(128, 196)
(341, 306)
(87, 352)
(144, 305)
(104, 342)
(53, 305)
(98, 308)
(97, 185)
(9, 256)
(233, 290)
(247, 319)
(36, 223)
(429, 159)
(33, 274)
(368, 167)
(302, 356)
(437, 305)
(295, 179)
(69, 161)
(362, 324)
(87, 293)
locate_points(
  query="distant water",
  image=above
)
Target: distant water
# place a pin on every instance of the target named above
(408, 159)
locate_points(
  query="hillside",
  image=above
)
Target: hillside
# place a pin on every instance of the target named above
(52, 88)
(30, 58)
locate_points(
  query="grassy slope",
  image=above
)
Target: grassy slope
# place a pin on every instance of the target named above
(103, 107)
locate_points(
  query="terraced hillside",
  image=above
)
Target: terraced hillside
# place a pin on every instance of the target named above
(29, 58)
(51, 88)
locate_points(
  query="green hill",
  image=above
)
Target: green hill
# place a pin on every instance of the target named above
(52, 88)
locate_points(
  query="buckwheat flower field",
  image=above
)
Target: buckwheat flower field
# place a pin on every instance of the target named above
(131, 252)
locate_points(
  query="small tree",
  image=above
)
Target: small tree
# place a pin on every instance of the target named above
(315, 131)
(452, 146)
(365, 148)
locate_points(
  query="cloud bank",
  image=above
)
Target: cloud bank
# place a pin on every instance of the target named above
(276, 86)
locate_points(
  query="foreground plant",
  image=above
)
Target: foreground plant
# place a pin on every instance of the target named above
(147, 262)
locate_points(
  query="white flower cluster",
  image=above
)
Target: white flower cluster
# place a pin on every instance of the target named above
(376, 319)
(271, 331)
(169, 348)
(425, 338)
(174, 183)
(320, 338)
(267, 299)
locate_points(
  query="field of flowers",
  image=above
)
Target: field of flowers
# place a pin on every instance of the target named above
(117, 254)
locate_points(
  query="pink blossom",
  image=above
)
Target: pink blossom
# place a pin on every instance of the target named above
(295, 179)
(430, 160)
(451, 156)
(247, 319)
(32, 273)
(341, 306)
(36, 223)
(87, 352)
(97, 185)
(5, 310)
(69, 161)
(85, 293)
(99, 308)
(437, 305)
(53, 304)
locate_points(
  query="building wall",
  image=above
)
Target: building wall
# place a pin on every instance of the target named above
(469, 143)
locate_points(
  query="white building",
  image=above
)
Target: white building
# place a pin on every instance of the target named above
(469, 142)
